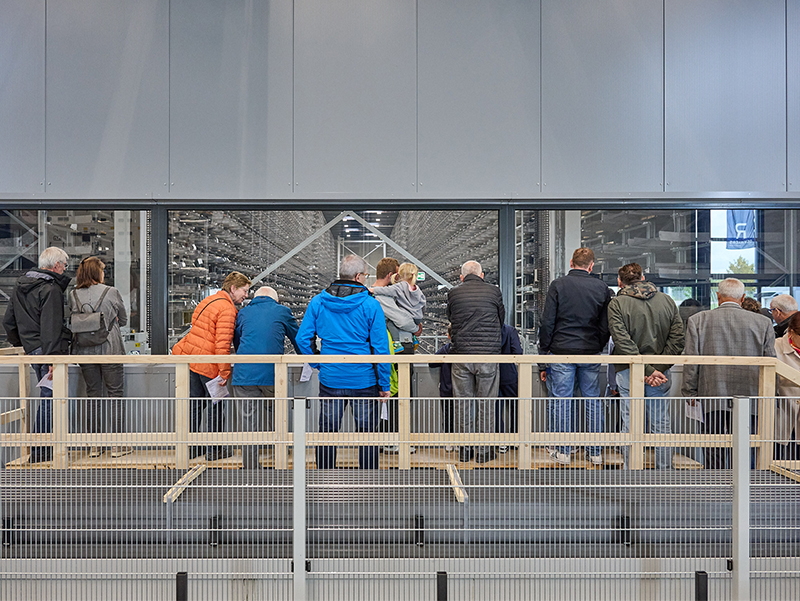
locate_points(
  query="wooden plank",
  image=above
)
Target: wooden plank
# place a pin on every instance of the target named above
(788, 372)
(23, 376)
(525, 409)
(458, 486)
(404, 414)
(174, 492)
(281, 413)
(12, 416)
(636, 459)
(182, 416)
(60, 415)
(782, 471)
(766, 415)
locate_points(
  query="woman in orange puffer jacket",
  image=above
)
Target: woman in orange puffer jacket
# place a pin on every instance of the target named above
(213, 322)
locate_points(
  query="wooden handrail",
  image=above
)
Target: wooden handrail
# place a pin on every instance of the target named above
(282, 438)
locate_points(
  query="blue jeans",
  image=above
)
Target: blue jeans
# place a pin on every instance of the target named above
(44, 415)
(656, 413)
(365, 415)
(562, 378)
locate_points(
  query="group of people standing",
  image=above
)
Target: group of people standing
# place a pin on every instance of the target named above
(35, 321)
(580, 315)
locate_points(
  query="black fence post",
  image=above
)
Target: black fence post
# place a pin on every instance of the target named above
(441, 586)
(182, 586)
(701, 586)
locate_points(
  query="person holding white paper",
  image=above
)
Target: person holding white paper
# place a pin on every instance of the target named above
(213, 323)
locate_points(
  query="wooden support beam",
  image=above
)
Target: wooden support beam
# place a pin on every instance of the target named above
(766, 415)
(60, 415)
(189, 477)
(24, 378)
(525, 392)
(455, 481)
(636, 458)
(182, 415)
(404, 414)
(281, 413)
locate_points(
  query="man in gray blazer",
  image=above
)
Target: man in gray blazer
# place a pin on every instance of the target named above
(732, 331)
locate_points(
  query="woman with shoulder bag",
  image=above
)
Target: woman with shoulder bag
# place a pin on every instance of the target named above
(93, 296)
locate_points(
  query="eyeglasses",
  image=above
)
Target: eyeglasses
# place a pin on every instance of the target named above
(773, 309)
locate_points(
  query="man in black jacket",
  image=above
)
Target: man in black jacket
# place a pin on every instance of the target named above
(34, 320)
(476, 313)
(575, 322)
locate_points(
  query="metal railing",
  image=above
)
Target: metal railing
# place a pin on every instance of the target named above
(434, 524)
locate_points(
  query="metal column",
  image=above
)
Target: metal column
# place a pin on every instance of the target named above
(506, 237)
(159, 293)
(299, 500)
(740, 587)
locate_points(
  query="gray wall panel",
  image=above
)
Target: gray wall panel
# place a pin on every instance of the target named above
(231, 98)
(725, 96)
(478, 98)
(22, 96)
(107, 97)
(793, 93)
(355, 97)
(602, 96)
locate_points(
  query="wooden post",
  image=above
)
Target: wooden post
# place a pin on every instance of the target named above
(24, 393)
(766, 415)
(636, 457)
(525, 392)
(182, 416)
(60, 415)
(404, 414)
(281, 413)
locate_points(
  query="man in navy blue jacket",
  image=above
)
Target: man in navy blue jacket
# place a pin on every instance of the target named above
(261, 327)
(349, 321)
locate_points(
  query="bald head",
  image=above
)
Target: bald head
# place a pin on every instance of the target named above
(471, 268)
(267, 291)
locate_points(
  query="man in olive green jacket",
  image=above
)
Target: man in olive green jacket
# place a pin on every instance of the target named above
(644, 321)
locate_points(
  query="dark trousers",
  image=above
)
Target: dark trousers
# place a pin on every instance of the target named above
(200, 400)
(43, 424)
(364, 404)
(95, 377)
(720, 422)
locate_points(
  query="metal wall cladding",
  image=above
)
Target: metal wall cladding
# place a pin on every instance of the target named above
(478, 98)
(793, 93)
(22, 96)
(355, 98)
(725, 96)
(231, 99)
(602, 94)
(107, 97)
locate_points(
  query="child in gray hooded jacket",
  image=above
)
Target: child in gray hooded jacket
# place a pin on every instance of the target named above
(405, 292)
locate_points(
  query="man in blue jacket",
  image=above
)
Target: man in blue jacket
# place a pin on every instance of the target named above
(348, 320)
(261, 327)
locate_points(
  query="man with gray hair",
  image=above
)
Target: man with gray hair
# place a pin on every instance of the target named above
(782, 308)
(261, 327)
(727, 330)
(476, 313)
(34, 320)
(347, 320)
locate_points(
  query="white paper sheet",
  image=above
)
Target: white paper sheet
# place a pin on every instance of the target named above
(384, 411)
(217, 389)
(46, 382)
(305, 375)
(695, 411)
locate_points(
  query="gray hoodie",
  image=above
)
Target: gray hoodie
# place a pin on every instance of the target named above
(411, 301)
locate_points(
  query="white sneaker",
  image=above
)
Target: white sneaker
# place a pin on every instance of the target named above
(412, 450)
(449, 448)
(95, 452)
(502, 448)
(121, 451)
(596, 459)
(391, 448)
(562, 458)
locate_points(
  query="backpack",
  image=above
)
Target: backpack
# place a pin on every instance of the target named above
(89, 328)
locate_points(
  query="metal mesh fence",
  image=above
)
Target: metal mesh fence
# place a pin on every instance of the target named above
(396, 515)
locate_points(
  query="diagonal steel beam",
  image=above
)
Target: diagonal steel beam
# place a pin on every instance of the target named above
(300, 247)
(400, 249)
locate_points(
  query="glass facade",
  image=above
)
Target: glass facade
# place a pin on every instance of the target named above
(685, 252)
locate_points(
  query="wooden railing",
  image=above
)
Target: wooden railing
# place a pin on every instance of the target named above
(61, 439)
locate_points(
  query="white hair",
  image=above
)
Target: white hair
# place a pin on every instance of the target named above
(471, 268)
(731, 288)
(267, 291)
(785, 302)
(351, 266)
(51, 256)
